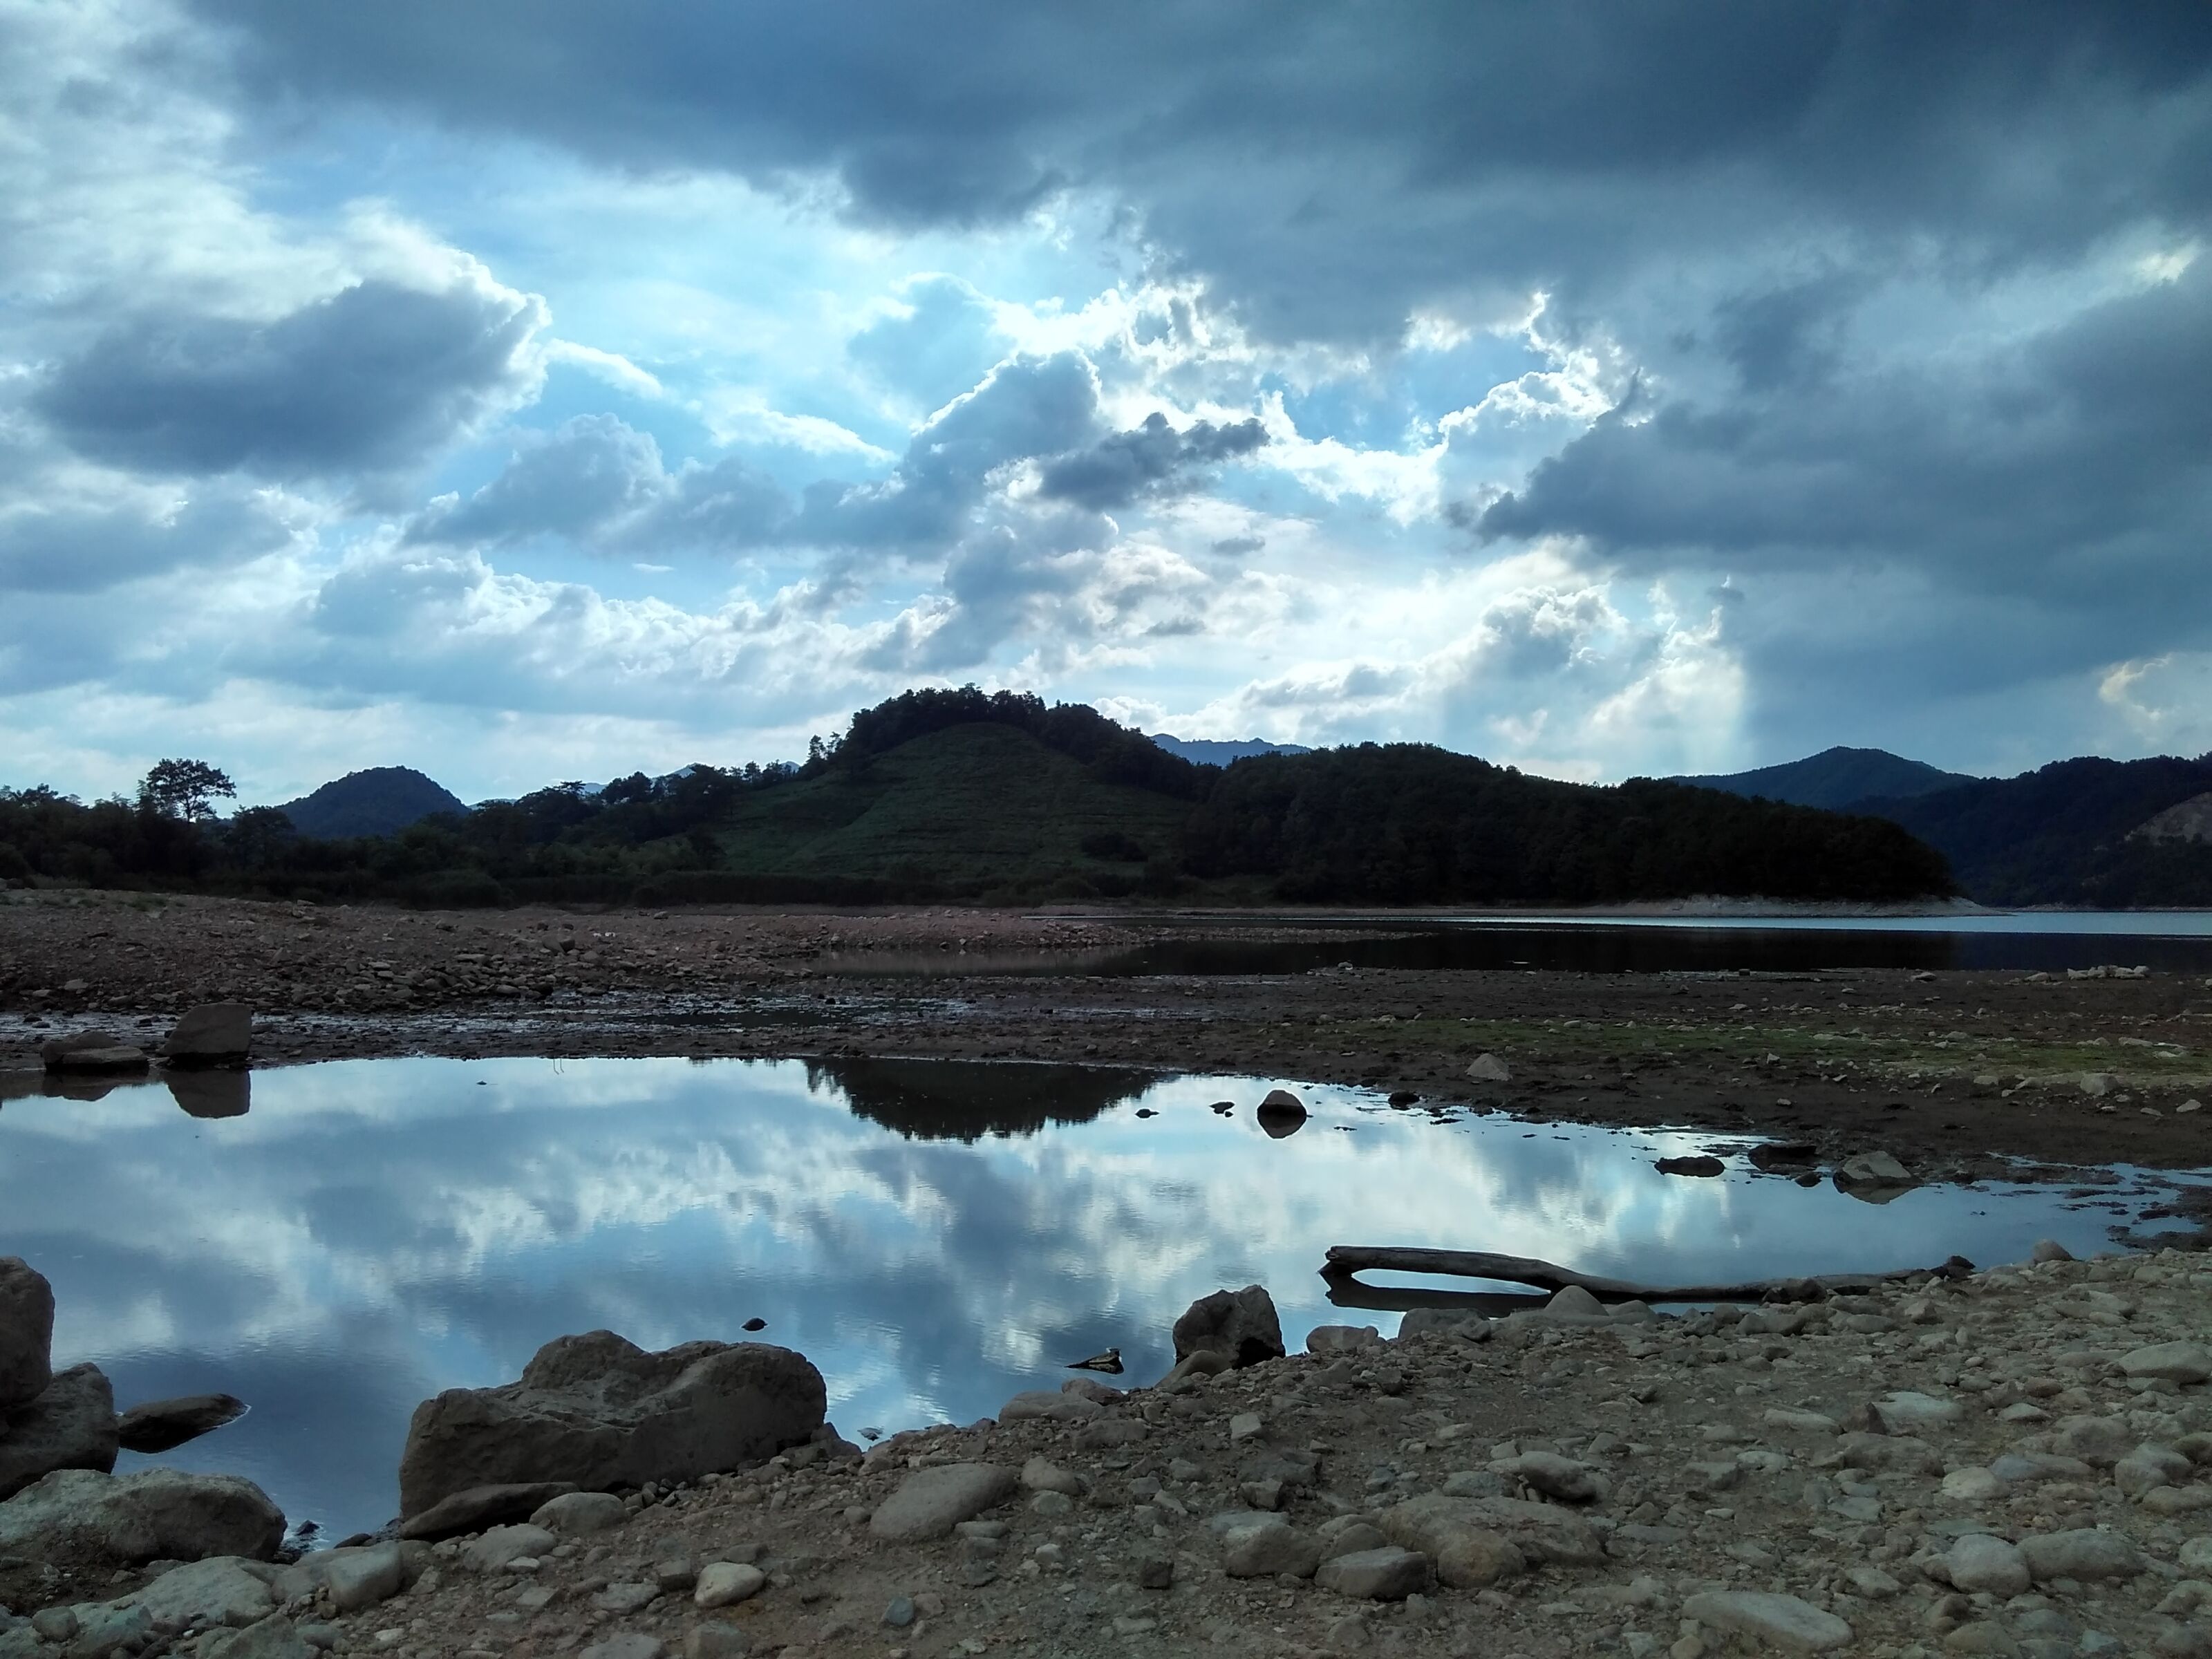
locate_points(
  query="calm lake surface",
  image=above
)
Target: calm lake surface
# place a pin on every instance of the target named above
(2179, 941)
(934, 1236)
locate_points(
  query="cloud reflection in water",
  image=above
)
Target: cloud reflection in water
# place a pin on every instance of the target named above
(934, 1236)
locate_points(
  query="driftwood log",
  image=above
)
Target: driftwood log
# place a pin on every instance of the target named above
(1346, 1260)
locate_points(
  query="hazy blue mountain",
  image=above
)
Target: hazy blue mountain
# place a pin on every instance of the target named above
(380, 801)
(1838, 778)
(1210, 751)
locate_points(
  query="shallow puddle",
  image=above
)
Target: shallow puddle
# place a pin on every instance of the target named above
(346, 1239)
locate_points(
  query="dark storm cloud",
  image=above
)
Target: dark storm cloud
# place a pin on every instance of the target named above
(1333, 167)
(1152, 459)
(375, 377)
(2036, 466)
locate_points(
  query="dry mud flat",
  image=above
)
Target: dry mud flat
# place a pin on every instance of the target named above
(1950, 1072)
(2010, 1463)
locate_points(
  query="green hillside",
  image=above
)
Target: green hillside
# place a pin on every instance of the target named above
(970, 804)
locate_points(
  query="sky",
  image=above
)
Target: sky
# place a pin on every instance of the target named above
(541, 389)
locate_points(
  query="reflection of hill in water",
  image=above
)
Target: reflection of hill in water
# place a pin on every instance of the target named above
(968, 1099)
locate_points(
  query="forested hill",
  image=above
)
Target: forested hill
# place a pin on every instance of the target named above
(963, 796)
(1405, 824)
(2079, 832)
(1838, 779)
(378, 801)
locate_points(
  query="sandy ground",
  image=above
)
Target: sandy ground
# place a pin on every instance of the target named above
(1949, 1072)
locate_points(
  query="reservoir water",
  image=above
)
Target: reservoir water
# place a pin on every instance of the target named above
(350, 1238)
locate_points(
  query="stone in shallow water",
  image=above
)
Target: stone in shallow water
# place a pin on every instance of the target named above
(161, 1425)
(210, 1034)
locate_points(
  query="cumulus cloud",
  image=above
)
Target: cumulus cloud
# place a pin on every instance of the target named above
(373, 377)
(1151, 460)
(83, 548)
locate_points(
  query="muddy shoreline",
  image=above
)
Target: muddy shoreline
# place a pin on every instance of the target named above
(1959, 1073)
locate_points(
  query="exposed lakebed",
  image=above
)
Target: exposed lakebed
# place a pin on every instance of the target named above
(935, 1236)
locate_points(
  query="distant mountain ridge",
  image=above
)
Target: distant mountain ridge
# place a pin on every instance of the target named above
(1217, 751)
(2123, 835)
(1838, 778)
(379, 801)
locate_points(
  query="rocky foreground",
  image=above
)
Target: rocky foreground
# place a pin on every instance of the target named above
(2012, 1462)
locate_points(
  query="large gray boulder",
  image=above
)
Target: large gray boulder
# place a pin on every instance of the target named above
(70, 1426)
(1240, 1325)
(211, 1034)
(26, 1333)
(601, 1412)
(89, 1519)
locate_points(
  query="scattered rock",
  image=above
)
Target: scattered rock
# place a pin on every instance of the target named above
(69, 1426)
(1390, 1574)
(1554, 1476)
(1905, 1413)
(210, 1034)
(1702, 1164)
(626, 1644)
(931, 1502)
(581, 1514)
(221, 1590)
(2083, 1553)
(598, 1412)
(478, 1507)
(490, 1551)
(1269, 1546)
(26, 1333)
(1342, 1338)
(1978, 1562)
(1051, 1405)
(352, 1579)
(159, 1425)
(273, 1638)
(1241, 1325)
(2185, 1363)
(1780, 1621)
(1488, 1068)
(723, 1584)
